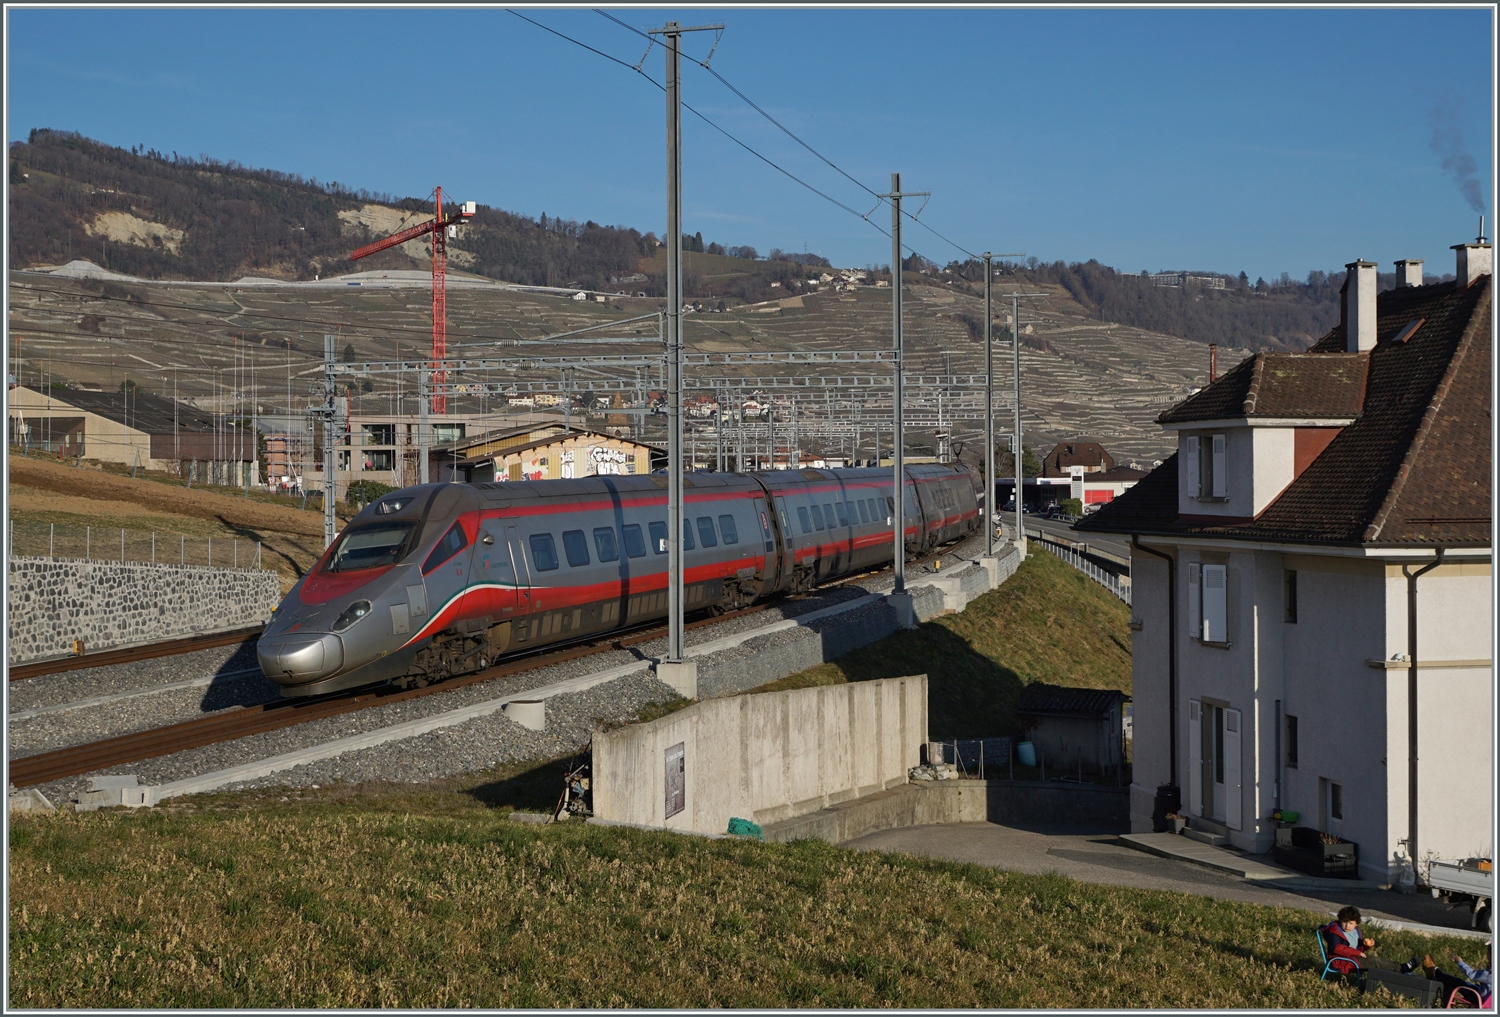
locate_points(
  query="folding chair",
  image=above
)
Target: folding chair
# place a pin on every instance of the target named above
(1328, 968)
(1465, 997)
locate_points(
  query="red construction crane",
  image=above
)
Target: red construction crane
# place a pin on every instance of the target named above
(441, 229)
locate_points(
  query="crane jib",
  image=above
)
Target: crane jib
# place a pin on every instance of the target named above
(422, 229)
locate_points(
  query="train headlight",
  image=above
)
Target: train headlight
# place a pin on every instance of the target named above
(353, 613)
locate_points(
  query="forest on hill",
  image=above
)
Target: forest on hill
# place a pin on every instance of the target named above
(164, 216)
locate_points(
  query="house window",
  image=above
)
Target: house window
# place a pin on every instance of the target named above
(1335, 800)
(1289, 595)
(379, 434)
(1291, 741)
(1205, 458)
(1215, 604)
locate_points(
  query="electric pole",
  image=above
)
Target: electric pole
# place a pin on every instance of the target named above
(329, 412)
(1020, 447)
(905, 617)
(675, 670)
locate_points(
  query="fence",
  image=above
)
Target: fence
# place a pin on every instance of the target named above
(34, 539)
(1103, 577)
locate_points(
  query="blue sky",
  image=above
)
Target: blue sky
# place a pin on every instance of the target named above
(1267, 141)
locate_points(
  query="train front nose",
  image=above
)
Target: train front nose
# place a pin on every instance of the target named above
(299, 658)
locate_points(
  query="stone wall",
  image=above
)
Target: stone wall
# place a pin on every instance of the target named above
(763, 757)
(52, 602)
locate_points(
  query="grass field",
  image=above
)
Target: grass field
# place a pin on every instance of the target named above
(1047, 623)
(431, 897)
(44, 491)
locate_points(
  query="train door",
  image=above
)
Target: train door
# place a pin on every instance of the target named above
(494, 571)
(522, 572)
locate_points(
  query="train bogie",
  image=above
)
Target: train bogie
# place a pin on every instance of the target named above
(439, 580)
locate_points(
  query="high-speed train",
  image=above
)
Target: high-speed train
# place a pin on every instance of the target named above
(441, 579)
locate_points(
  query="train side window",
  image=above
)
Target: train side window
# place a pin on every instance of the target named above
(765, 526)
(817, 517)
(803, 519)
(843, 515)
(635, 544)
(577, 547)
(658, 537)
(706, 535)
(543, 552)
(864, 511)
(875, 513)
(890, 506)
(726, 527)
(604, 543)
(687, 534)
(828, 515)
(452, 542)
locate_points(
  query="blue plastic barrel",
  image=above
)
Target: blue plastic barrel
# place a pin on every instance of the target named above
(1026, 753)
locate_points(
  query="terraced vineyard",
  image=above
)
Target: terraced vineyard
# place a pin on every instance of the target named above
(1080, 377)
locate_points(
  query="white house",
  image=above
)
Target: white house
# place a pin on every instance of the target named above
(1314, 562)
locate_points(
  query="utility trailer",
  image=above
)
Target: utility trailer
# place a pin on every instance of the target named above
(1465, 881)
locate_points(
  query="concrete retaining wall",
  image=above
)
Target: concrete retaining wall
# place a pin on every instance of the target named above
(961, 801)
(763, 757)
(109, 605)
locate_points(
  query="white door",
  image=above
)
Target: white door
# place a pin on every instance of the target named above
(1195, 757)
(1232, 721)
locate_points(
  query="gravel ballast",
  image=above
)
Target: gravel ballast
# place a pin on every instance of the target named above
(469, 746)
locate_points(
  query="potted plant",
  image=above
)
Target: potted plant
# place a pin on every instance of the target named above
(1176, 822)
(1319, 854)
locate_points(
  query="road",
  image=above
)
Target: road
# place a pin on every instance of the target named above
(1094, 855)
(1059, 530)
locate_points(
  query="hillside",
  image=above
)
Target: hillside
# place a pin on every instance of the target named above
(147, 214)
(156, 216)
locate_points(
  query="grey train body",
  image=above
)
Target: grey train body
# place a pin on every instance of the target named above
(442, 579)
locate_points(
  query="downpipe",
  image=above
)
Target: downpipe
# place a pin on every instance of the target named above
(1411, 709)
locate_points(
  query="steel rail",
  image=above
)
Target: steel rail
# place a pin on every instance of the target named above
(131, 654)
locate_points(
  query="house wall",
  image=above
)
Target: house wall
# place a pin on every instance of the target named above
(1351, 716)
(1274, 464)
(1339, 702)
(1454, 711)
(1259, 464)
(1151, 764)
(103, 439)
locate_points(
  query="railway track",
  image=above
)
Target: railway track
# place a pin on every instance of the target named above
(161, 741)
(56, 764)
(130, 654)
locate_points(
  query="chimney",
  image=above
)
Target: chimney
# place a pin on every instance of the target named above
(1408, 272)
(1474, 260)
(1213, 362)
(1359, 326)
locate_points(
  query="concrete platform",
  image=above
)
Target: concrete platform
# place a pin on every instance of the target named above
(1184, 849)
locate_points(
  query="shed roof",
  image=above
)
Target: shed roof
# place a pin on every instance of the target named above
(1041, 699)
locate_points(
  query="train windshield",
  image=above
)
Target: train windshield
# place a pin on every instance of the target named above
(368, 547)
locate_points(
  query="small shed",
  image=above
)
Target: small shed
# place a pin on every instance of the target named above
(1074, 727)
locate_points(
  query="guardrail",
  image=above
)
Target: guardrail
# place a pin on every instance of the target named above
(1106, 579)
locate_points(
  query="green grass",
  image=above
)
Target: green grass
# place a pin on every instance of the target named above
(1047, 623)
(430, 897)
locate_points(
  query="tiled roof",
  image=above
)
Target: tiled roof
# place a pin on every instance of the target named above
(1075, 453)
(1413, 468)
(1040, 698)
(1280, 385)
(1114, 475)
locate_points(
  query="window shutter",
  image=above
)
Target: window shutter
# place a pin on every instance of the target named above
(1232, 794)
(1190, 463)
(1221, 482)
(1195, 757)
(1215, 605)
(1195, 600)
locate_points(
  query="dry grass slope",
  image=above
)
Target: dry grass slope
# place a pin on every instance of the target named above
(433, 899)
(1048, 623)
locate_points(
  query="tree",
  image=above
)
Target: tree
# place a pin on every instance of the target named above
(349, 353)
